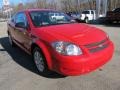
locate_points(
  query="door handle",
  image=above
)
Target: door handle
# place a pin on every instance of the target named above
(24, 33)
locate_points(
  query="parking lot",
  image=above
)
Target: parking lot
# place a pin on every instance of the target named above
(18, 72)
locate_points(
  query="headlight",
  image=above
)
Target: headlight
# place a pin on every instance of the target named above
(66, 48)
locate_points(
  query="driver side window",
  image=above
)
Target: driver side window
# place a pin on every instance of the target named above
(21, 18)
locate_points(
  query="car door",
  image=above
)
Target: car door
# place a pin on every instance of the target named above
(23, 31)
(11, 27)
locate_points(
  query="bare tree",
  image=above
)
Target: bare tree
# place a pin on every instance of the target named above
(66, 5)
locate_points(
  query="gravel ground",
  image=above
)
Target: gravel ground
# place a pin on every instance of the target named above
(17, 71)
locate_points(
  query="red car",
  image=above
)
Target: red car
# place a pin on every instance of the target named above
(58, 43)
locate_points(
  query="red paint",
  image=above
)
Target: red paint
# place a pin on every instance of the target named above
(79, 34)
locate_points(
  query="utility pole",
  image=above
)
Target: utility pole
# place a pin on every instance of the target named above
(78, 5)
(101, 8)
(105, 7)
(98, 8)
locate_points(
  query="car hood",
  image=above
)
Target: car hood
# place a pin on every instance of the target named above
(81, 34)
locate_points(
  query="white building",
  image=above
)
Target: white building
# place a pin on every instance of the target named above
(6, 9)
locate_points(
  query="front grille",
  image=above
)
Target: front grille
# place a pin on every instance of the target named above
(98, 46)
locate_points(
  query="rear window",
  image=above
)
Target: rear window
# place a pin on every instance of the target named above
(117, 10)
(85, 12)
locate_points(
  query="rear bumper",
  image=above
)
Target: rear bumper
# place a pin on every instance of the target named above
(77, 65)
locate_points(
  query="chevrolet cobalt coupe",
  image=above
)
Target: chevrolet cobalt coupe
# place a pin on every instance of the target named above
(60, 45)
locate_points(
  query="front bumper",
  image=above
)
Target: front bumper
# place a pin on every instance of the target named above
(77, 65)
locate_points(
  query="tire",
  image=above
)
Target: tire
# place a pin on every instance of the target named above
(11, 41)
(40, 61)
(86, 20)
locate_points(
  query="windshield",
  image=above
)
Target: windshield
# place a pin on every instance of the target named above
(45, 18)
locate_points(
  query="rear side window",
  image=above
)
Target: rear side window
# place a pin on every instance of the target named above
(117, 10)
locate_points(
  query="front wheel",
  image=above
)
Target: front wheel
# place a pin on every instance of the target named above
(40, 61)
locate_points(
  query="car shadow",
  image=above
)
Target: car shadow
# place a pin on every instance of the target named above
(23, 59)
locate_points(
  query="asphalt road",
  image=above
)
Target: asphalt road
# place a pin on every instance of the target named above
(17, 70)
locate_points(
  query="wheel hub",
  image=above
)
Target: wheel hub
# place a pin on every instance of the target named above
(39, 61)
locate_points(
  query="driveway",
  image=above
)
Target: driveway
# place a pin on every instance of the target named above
(18, 72)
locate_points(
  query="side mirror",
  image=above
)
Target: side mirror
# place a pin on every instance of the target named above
(20, 25)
